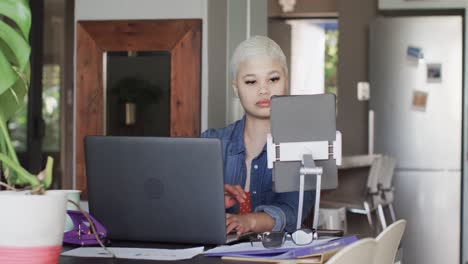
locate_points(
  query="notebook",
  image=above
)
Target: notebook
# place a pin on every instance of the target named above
(157, 189)
(317, 252)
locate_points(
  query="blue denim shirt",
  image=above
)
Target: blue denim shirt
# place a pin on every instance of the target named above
(282, 207)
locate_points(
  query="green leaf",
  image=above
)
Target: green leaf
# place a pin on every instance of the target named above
(7, 76)
(19, 12)
(23, 175)
(8, 53)
(48, 172)
(10, 150)
(14, 80)
(16, 44)
(7, 149)
(13, 99)
(3, 146)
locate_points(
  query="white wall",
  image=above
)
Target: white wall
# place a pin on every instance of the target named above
(139, 9)
(246, 18)
(421, 4)
(217, 65)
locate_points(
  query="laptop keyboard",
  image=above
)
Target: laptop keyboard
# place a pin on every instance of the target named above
(233, 237)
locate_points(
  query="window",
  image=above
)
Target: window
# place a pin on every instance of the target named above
(314, 56)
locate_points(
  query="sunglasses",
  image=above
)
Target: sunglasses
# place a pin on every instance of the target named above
(300, 237)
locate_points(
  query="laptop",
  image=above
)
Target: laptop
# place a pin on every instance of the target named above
(157, 189)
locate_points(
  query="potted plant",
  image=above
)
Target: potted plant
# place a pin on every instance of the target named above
(32, 220)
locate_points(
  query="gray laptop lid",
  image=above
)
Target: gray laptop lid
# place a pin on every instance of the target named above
(298, 118)
(157, 189)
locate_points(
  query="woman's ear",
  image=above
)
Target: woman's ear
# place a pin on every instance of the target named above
(234, 88)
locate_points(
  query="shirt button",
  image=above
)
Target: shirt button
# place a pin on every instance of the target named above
(255, 166)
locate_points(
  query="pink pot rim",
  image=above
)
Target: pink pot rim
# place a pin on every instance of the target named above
(30, 254)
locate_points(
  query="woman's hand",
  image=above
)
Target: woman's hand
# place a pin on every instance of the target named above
(254, 222)
(239, 223)
(233, 194)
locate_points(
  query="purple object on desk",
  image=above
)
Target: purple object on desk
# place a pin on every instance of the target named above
(289, 253)
(81, 234)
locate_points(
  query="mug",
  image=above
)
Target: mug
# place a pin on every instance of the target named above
(73, 195)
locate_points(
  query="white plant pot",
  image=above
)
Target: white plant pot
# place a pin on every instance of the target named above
(31, 226)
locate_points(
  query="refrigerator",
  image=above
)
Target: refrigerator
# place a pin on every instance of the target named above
(416, 84)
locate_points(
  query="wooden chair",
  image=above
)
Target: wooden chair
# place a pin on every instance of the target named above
(360, 252)
(386, 189)
(359, 194)
(388, 242)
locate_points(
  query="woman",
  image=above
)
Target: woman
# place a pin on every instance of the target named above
(259, 71)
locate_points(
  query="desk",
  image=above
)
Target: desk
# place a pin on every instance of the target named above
(200, 259)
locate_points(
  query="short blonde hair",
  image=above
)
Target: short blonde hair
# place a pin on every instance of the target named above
(257, 46)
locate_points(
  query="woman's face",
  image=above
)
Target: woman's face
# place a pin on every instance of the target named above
(257, 80)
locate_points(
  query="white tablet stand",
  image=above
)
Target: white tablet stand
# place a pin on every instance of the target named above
(307, 153)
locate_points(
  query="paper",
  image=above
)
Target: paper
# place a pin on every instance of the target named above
(136, 253)
(434, 72)
(414, 52)
(419, 101)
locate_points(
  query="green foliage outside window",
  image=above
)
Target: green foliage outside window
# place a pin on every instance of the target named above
(331, 62)
(50, 114)
(51, 107)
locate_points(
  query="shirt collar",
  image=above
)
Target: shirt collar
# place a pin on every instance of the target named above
(237, 139)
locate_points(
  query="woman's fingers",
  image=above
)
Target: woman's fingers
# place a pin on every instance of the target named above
(231, 223)
(240, 193)
(234, 222)
(229, 201)
(233, 194)
(235, 191)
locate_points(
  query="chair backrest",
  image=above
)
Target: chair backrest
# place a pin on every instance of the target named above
(388, 242)
(386, 178)
(360, 252)
(373, 180)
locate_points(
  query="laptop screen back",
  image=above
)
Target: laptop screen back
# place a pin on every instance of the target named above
(157, 189)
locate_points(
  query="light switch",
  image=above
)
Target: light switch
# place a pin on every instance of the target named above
(363, 91)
